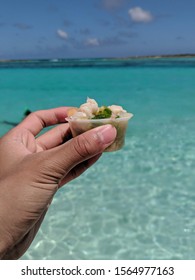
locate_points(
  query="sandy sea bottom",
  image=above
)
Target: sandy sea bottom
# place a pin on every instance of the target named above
(139, 202)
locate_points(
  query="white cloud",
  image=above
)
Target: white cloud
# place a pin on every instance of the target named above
(22, 26)
(62, 34)
(137, 14)
(92, 42)
(112, 4)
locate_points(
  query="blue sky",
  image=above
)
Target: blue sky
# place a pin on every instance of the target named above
(95, 28)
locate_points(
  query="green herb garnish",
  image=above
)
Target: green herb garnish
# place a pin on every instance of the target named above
(103, 113)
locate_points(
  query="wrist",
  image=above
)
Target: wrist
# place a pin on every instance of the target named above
(5, 244)
(3, 249)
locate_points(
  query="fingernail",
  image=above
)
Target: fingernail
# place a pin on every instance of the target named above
(106, 133)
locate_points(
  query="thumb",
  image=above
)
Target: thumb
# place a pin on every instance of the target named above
(81, 148)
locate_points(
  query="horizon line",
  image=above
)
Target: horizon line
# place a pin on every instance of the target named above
(108, 58)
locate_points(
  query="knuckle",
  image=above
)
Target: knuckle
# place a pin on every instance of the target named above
(37, 116)
(84, 146)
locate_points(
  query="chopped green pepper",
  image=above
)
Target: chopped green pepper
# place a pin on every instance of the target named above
(103, 113)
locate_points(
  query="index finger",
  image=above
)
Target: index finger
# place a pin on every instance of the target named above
(36, 121)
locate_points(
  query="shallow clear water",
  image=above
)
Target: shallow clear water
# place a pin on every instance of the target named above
(137, 203)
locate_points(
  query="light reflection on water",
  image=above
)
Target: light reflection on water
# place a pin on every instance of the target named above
(137, 203)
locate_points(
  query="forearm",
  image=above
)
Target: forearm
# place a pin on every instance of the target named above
(7, 251)
(3, 249)
(5, 241)
(3, 235)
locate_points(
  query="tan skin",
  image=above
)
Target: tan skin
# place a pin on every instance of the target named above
(33, 168)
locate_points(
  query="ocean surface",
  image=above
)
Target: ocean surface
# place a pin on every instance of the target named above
(136, 203)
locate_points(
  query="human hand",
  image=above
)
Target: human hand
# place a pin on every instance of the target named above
(32, 168)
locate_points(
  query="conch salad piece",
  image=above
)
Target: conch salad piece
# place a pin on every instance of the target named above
(89, 115)
(72, 111)
(90, 110)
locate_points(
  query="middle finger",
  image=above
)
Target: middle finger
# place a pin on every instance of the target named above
(54, 137)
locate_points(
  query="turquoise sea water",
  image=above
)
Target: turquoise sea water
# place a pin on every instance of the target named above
(137, 203)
